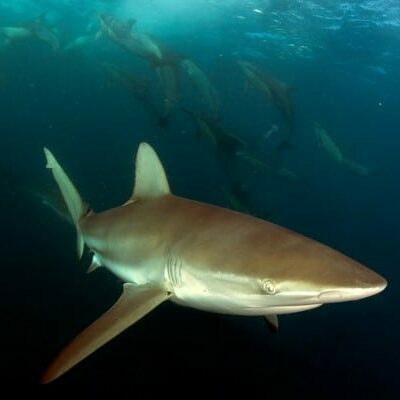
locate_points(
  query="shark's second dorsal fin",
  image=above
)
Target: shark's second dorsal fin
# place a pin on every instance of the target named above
(150, 178)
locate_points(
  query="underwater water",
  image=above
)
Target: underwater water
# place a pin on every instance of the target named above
(284, 109)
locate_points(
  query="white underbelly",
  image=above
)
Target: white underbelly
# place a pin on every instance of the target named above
(245, 305)
(140, 274)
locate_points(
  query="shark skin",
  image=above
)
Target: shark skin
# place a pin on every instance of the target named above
(165, 247)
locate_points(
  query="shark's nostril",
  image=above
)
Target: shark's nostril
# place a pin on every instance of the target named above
(330, 296)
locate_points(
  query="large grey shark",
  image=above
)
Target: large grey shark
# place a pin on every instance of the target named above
(165, 247)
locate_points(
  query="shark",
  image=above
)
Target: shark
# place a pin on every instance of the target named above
(169, 248)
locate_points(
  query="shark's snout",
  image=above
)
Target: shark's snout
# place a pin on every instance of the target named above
(372, 285)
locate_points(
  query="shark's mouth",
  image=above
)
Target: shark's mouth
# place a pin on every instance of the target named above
(277, 310)
(291, 309)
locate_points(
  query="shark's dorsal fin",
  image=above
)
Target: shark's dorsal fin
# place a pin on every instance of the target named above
(150, 178)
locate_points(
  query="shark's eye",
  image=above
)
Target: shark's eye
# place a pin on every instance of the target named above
(269, 286)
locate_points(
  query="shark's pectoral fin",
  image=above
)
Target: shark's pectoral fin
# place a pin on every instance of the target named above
(134, 303)
(273, 322)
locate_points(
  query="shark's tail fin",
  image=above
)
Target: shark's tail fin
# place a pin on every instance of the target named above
(77, 208)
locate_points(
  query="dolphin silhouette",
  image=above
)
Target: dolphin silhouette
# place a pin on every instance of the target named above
(34, 29)
(276, 91)
(165, 247)
(333, 150)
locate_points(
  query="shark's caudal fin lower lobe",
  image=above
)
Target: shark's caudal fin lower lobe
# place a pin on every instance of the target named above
(77, 208)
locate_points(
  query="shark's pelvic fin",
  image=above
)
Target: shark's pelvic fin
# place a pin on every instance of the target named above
(77, 208)
(273, 322)
(134, 303)
(94, 265)
(150, 178)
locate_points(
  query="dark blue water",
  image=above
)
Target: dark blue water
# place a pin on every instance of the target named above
(343, 61)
